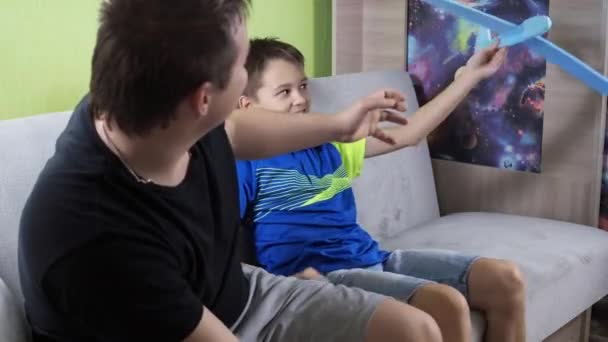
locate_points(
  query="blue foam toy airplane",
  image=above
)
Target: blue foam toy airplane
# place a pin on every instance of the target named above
(529, 33)
(530, 28)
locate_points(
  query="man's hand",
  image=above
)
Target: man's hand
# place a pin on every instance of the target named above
(361, 119)
(309, 274)
(484, 63)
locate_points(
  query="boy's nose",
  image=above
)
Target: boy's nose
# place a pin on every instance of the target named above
(299, 99)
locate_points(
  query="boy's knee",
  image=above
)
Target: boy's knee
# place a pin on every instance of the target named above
(511, 278)
(508, 281)
(512, 287)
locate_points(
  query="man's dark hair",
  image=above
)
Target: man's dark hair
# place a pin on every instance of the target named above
(150, 54)
(262, 50)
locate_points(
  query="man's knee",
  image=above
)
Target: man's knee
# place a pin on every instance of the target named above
(396, 321)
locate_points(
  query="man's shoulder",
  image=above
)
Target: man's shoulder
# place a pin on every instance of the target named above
(67, 176)
(60, 197)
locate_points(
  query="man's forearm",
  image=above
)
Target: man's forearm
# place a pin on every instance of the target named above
(258, 133)
(211, 329)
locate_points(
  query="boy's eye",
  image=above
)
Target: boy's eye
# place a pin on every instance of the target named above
(283, 92)
(304, 86)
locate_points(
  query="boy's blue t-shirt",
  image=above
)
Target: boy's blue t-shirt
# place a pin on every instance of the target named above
(303, 210)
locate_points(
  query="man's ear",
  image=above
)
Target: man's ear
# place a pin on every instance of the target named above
(200, 100)
(244, 102)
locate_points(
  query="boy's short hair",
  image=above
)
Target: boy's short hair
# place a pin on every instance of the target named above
(262, 50)
(150, 54)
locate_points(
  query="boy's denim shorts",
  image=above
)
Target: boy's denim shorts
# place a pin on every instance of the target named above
(405, 271)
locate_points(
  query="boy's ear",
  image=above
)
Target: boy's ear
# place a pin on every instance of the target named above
(244, 102)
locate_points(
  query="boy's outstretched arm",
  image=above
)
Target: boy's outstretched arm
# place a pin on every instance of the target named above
(258, 133)
(480, 66)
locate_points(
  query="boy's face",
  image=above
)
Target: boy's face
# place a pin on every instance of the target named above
(283, 88)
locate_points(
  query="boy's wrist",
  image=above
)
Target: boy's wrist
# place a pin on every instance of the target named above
(468, 76)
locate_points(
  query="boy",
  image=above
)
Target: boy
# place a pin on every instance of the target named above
(302, 208)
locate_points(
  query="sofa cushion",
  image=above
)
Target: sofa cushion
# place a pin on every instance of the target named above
(393, 195)
(12, 324)
(25, 146)
(564, 264)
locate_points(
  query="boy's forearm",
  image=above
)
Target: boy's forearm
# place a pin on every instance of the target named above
(427, 118)
(258, 133)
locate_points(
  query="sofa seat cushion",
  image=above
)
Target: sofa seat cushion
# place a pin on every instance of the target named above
(565, 265)
(12, 324)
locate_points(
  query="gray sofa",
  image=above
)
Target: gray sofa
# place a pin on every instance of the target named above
(565, 265)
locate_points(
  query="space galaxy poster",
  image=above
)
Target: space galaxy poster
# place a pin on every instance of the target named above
(500, 123)
(603, 221)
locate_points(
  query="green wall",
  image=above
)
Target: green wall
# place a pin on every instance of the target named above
(47, 47)
(303, 23)
(46, 52)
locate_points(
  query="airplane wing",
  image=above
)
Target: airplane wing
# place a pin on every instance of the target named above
(530, 28)
(552, 53)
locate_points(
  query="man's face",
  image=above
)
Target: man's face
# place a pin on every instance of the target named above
(283, 88)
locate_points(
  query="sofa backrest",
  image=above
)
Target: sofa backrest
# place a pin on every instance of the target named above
(25, 146)
(395, 191)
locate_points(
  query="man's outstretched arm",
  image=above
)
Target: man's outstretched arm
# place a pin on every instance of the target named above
(258, 133)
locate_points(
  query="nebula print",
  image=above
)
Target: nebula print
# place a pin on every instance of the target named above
(603, 221)
(500, 123)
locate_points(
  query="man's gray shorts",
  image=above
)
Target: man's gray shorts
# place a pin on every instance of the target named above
(288, 309)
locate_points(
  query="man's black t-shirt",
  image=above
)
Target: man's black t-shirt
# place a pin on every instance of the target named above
(105, 258)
